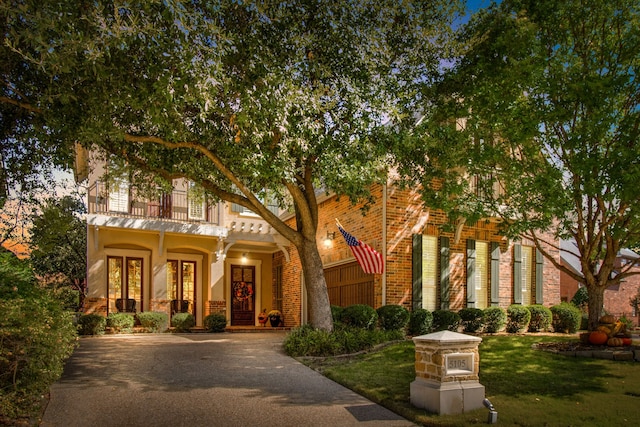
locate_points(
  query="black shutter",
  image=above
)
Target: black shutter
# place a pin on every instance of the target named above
(495, 274)
(517, 274)
(471, 273)
(539, 272)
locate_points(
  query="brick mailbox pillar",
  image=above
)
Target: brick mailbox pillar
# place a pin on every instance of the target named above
(447, 365)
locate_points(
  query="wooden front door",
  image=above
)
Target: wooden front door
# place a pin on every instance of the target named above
(243, 309)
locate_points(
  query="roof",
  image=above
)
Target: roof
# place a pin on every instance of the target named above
(569, 255)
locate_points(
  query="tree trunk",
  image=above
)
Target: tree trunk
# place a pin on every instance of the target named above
(317, 294)
(596, 303)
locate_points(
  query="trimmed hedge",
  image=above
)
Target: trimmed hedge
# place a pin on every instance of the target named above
(336, 313)
(183, 322)
(120, 322)
(472, 319)
(92, 324)
(420, 322)
(444, 320)
(518, 318)
(541, 318)
(392, 317)
(359, 316)
(154, 321)
(215, 322)
(566, 318)
(495, 319)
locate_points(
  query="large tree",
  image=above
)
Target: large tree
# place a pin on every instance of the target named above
(242, 98)
(537, 124)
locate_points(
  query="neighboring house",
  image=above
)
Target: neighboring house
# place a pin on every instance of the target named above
(180, 253)
(616, 298)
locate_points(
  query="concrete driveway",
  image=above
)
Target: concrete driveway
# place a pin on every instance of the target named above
(230, 379)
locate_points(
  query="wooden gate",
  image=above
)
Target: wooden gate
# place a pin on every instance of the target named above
(348, 284)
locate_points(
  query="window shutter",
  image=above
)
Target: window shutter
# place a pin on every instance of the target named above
(517, 274)
(471, 273)
(444, 273)
(495, 274)
(539, 273)
(237, 208)
(416, 271)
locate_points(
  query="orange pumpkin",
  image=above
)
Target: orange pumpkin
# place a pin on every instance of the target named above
(614, 342)
(598, 338)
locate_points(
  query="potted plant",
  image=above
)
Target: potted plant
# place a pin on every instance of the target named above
(275, 318)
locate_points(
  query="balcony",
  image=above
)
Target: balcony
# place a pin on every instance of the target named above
(176, 206)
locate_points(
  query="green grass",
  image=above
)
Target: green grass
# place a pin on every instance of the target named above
(527, 387)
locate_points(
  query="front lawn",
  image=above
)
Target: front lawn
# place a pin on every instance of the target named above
(527, 387)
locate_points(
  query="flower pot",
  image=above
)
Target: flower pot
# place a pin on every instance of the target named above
(275, 321)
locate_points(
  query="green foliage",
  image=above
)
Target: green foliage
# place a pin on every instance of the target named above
(359, 316)
(566, 318)
(153, 321)
(495, 319)
(92, 324)
(36, 337)
(420, 322)
(444, 320)
(121, 322)
(471, 319)
(392, 317)
(336, 313)
(581, 298)
(183, 322)
(518, 318)
(540, 318)
(309, 341)
(628, 323)
(215, 322)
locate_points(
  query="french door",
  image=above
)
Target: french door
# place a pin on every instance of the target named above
(181, 286)
(124, 284)
(243, 284)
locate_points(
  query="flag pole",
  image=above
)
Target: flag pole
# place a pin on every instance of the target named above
(338, 223)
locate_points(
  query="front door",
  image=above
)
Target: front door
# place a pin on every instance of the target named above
(243, 308)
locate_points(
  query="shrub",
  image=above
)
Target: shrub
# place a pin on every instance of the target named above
(153, 321)
(92, 324)
(495, 319)
(392, 317)
(518, 318)
(36, 336)
(336, 313)
(471, 319)
(566, 318)
(444, 320)
(420, 322)
(359, 316)
(183, 322)
(215, 322)
(120, 322)
(581, 298)
(540, 318)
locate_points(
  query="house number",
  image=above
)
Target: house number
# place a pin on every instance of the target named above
(459, 363)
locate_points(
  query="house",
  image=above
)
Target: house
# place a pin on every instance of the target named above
(178, 252)
(617, 297)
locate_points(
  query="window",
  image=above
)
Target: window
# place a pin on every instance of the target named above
(118, 199)
(181, 285)
(197, 204)
(429, 272)
(124, 278)
(481, 277)
(527, 275)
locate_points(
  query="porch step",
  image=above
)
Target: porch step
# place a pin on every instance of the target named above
(242, 329)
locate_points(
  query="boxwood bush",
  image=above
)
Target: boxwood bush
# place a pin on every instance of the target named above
(471, 319)
(445, 320)
(91, 324)
(566, 318)
(495, 319)
(518, 318)
(420, 322)
(540, 318)
(359, 316)
(120, 322)
(183, 322)
(216, 322)
(154, 321)
(392, 317)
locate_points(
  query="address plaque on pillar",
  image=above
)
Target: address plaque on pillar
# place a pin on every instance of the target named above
(458, 363)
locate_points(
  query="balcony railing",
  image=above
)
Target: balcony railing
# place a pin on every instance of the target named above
(175, 206)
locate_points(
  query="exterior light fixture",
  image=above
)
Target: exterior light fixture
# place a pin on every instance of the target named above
(244, 257)
(329, 239)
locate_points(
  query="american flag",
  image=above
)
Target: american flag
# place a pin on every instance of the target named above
(369, 259)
